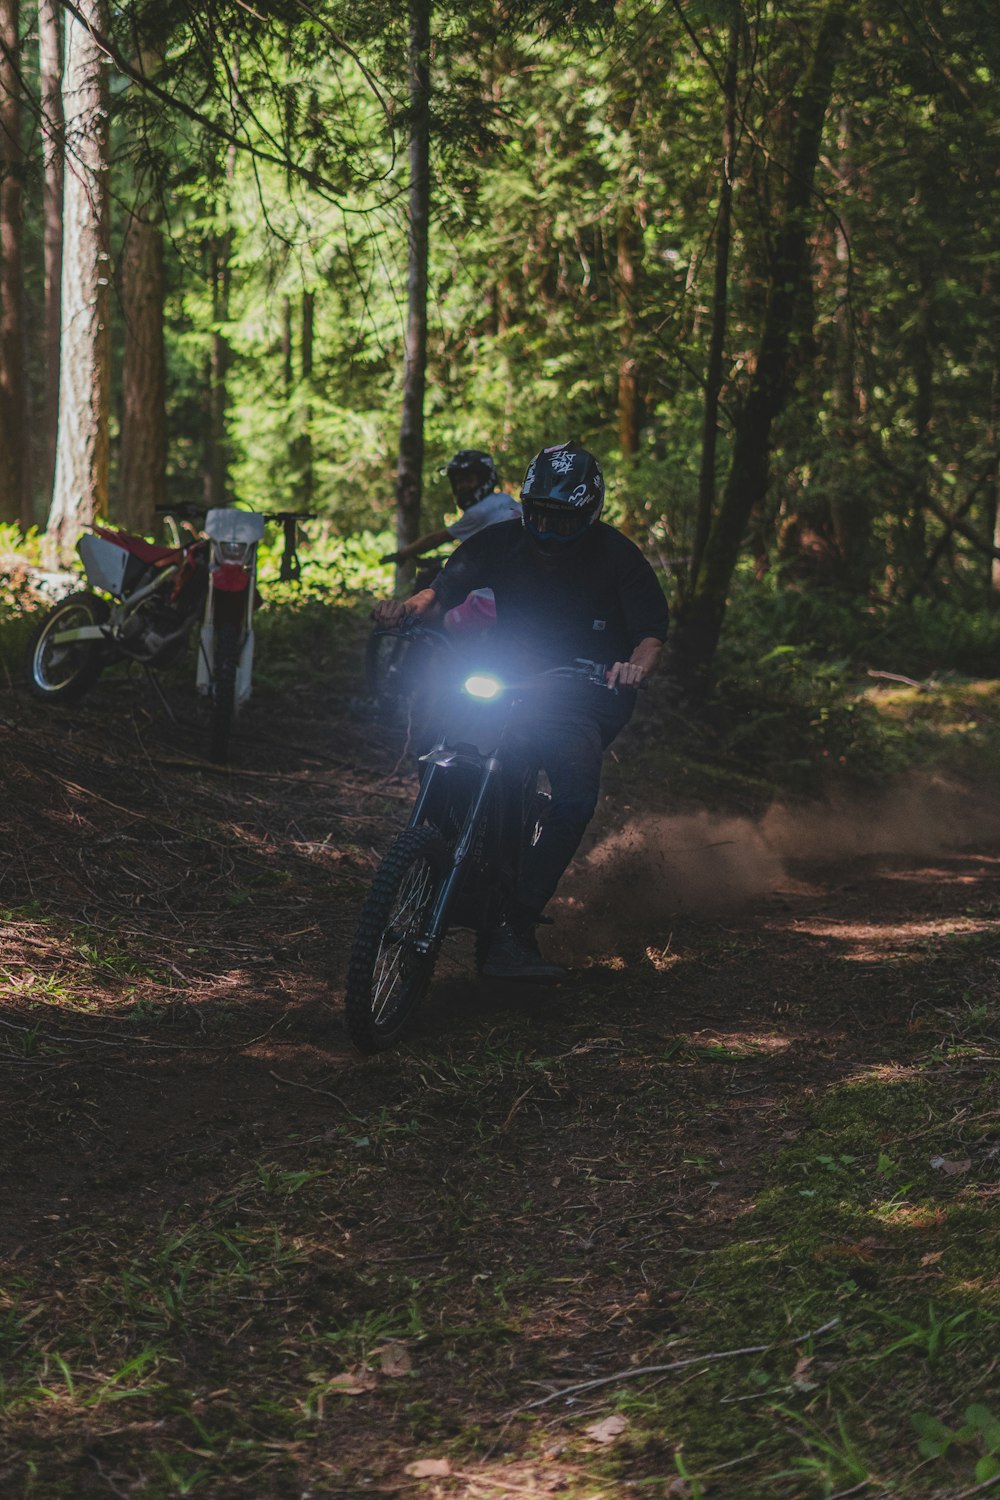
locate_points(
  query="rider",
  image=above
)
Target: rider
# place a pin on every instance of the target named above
(567, 586)
(475, 485)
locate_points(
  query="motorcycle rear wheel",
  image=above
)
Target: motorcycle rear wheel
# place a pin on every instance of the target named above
(387, 977)
(61, 673)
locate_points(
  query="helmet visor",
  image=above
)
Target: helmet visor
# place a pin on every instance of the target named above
(550, 521)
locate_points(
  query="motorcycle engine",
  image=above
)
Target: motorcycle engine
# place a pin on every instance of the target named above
(151, 634)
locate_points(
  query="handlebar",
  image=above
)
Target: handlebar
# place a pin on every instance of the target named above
(290, 569)
(187, 510)
(582, 669)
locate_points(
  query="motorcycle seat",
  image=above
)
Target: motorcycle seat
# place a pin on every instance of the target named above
(147, 552)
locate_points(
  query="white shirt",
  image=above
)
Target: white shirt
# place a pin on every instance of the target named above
(487, 512)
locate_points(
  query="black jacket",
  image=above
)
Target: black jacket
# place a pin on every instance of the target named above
(596, 600)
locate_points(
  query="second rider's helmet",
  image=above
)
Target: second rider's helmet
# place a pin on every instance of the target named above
(472, 475)
(562, 495)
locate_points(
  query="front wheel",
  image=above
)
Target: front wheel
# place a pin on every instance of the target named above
(388, 974)
(227, 655)
(62, 671)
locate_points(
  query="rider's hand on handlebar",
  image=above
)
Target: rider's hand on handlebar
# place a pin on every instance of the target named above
(633, 673)
(626, 674)
(392, 612)
(389, 613)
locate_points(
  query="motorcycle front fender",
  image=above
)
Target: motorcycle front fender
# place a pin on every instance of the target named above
(230, 578)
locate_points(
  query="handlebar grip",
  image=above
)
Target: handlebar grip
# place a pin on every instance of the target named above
(187, 510)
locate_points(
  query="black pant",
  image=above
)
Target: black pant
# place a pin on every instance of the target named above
(568, 735)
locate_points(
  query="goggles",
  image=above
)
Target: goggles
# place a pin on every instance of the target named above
(550, 521)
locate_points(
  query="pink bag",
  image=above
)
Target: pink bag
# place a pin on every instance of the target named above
(477, 612)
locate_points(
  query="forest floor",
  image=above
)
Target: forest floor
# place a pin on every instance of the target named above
(716, 1216)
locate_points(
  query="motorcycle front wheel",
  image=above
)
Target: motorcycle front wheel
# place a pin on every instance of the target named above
(227, 655)
(60, 672)
(388, 976)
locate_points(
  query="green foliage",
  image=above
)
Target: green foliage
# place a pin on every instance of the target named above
(980, 1428)
(920, 638)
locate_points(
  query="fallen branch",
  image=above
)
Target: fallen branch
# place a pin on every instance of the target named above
(896, 677)
(293, 1083)
(677, 1364)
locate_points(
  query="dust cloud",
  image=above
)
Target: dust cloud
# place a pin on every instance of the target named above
(701, 862)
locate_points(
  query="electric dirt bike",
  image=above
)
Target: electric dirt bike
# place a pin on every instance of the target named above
(143, 602)
(478, 811)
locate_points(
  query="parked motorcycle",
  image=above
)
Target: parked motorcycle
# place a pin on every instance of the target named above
(456, 864)
(144, 600)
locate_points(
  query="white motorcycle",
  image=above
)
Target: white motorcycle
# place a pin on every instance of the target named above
(143, 601)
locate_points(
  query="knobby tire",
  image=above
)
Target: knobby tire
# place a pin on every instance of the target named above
(227, 655)
(387, 978)
(61, 674)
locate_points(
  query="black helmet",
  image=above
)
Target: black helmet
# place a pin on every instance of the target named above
(474, 464)
(562, 494)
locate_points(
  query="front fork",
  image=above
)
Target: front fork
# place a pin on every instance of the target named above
(227, 607)
(437, 761)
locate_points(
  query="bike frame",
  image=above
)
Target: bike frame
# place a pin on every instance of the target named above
(105, 563)
(234, 536)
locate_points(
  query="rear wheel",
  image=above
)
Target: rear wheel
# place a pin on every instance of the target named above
(388, 976)
(62, 671)
(227, 655)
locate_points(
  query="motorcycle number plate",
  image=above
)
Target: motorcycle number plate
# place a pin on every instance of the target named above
(104, 563)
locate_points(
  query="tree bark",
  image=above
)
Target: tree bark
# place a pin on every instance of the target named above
(629, 254)
(701, 616)
(15, 498)
(993, 438)
(720, 308)
(216, 474)
(630, 402)
(143, 464)
(409, 472)
(302, 452)
(80, 489)
(53, 148)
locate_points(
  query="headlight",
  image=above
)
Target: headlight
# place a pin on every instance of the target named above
(233, 551)
(481, 686)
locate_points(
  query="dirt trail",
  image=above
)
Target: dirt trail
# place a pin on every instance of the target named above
(534, 1176)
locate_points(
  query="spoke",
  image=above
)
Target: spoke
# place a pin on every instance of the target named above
(404, 922)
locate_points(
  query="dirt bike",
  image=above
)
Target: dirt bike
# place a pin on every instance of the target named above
(456, 864)
(143, 602)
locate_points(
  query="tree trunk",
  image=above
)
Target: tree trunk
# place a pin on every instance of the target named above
(216, 476)
(409, 472)
(629, 251)
(850, 509)
(720, 308)
(701, 616)
(15, 499)
(288, 376)
(143, 465)
(81, 478)
(53, 148)
(630, 402)
(302, 453)
(993, 441)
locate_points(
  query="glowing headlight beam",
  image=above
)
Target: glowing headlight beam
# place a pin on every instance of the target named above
(481, 686)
